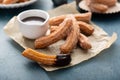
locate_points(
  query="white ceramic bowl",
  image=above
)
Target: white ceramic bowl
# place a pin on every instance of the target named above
(33, 31)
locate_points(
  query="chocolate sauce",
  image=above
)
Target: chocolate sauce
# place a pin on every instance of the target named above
(63, 59)
(33, 20)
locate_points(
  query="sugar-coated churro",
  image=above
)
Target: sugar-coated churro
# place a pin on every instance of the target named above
(84, 42)
(55, 21)
(55, 36)
(72, 38)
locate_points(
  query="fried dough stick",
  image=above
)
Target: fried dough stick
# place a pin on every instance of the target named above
(72, 38)
(55, 21)
(109, 3)
(84, 42)
(57, 60)
(97, 7)
(84, 27)
(55, 36)
(9, 1)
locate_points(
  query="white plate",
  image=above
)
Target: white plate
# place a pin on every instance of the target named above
(17, 5)
(114, 9)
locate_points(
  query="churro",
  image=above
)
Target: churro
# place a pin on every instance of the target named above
(72, 38)
(22, 1)
(86, 28)
(97, 7)
(45, 59)
(100, 6)
(109, 3)
(55, 36)
(84, 42)
(55, 21)
(9, 1)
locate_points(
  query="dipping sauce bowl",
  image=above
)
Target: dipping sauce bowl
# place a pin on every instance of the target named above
(33, 23)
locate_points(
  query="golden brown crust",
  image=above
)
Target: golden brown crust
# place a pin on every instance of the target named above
(9, 1)
(55, 36)
(86, 28)
(97, 7)
(85, 17)
(56, 60)
(39, 57)
(109, 3)
(53, 28)
(72, 38)
(84, 42)
(1, 1)
(55, 21)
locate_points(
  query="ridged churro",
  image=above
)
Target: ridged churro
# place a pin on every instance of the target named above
(55, 21)
(9, 1)
(100, 6)
(84, 42)
(86, 28)
(55, 36)
(45, 59)
(97, 7)
(109, 3)
(72, 38)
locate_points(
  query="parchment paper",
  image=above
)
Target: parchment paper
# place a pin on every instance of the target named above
(100, 39)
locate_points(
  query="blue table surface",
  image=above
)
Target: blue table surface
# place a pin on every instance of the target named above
(13, 66)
